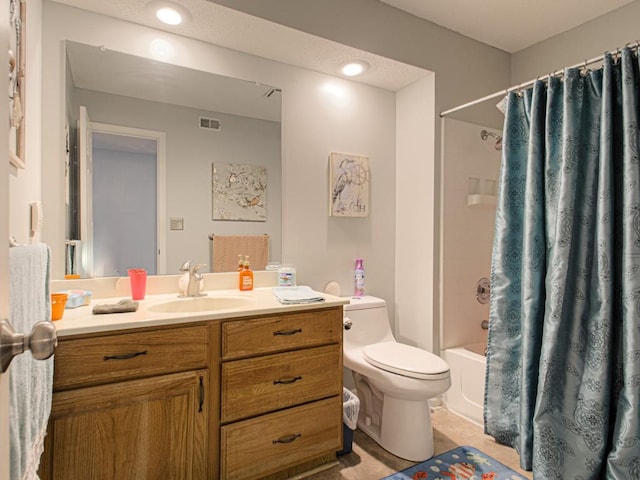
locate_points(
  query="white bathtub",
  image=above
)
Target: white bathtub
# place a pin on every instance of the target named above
(466, 395)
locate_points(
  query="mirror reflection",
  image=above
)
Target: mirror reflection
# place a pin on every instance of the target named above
(145, 139)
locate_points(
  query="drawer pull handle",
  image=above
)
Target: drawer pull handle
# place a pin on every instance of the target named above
(287, 439)
(201, 394)
(126, 356)
(287, 381)
(287, 332)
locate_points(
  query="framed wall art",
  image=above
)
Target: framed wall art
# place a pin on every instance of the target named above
(239, 192)
(348, 185)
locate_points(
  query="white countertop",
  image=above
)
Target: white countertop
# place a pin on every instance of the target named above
(259, 301)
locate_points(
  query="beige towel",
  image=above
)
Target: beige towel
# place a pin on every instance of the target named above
(226, 248)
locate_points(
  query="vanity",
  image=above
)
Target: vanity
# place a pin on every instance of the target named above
(250, 390)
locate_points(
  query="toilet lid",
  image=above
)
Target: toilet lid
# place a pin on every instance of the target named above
(406, 360)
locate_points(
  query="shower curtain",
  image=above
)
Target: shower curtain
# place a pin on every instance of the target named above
(563, 365)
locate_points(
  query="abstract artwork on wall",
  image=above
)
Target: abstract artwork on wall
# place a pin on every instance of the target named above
(348, 185)
(239, 192)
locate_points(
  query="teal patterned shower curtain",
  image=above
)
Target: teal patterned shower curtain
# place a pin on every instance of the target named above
(563, 361)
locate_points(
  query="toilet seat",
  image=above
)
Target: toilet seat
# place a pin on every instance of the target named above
(406, 360)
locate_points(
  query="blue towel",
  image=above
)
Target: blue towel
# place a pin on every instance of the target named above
(30, 380)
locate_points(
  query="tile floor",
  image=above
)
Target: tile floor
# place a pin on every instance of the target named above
(368, 461)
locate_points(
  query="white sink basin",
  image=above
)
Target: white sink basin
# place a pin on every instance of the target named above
(199, 304)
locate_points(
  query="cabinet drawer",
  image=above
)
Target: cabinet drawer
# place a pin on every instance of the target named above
(264, 384)
(283, 332)
(103, 359)
(271, 443)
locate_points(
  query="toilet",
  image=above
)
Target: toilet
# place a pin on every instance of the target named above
(394, 381)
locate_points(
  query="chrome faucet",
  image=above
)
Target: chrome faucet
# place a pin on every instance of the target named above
(195, 279)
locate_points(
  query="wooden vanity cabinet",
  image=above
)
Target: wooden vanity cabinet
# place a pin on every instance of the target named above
(134, 406)
(281, 387)
(253, 397)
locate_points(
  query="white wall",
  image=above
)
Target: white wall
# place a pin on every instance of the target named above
(467, 231)
(464, 70)
(191, 151)
(415, 216)
(589, 40)
(314, 124)
(25, 184)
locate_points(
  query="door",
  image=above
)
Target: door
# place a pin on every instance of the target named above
(86, 191)
(4, 233)
(122, 198)
(125, 208)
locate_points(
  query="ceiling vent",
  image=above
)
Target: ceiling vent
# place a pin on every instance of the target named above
(207, 123)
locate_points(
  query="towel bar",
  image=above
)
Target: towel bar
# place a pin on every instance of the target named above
(41, 341)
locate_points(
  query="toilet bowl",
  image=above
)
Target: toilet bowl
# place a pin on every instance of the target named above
(393, 381)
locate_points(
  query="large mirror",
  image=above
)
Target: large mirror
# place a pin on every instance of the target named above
(145, 140)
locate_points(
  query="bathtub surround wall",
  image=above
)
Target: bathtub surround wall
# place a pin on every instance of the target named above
(470, 171)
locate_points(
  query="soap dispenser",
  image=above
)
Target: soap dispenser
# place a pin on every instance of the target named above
(245, 276)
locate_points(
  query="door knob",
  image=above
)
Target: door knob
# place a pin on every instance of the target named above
(41, 341)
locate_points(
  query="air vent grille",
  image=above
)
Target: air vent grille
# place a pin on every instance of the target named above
(207, 123)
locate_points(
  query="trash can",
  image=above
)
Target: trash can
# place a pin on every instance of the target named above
(350, 411)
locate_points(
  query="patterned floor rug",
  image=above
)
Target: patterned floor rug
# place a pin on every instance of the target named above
(461, 463)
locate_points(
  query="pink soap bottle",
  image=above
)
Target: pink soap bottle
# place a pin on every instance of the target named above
(358, 275)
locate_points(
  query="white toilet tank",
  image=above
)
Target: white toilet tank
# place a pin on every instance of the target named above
(369, 321)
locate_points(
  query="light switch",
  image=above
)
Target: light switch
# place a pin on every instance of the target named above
(176, 223)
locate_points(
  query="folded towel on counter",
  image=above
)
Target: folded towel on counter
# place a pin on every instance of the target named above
(297, 295)
(123, 306)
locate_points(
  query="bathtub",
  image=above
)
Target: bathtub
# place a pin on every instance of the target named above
(466, 395)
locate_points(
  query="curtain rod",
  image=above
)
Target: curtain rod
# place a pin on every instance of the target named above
(633, 45)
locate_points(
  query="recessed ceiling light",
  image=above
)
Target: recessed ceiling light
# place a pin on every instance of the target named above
(168, 12)
(352, 69)
(169, 15)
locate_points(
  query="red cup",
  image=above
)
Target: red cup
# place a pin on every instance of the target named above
(138, 280)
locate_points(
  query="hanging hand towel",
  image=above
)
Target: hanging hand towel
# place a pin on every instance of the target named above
(31, 381)
(226, 248)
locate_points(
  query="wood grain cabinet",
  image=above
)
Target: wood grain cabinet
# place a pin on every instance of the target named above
(130, 406)
(281, 386)
(257, 397)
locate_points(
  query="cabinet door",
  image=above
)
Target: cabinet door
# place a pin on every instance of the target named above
(141, 429)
